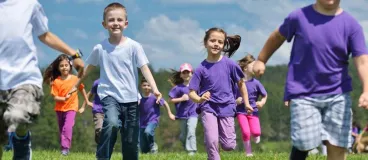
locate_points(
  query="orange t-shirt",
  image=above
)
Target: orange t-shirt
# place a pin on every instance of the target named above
(60, 88)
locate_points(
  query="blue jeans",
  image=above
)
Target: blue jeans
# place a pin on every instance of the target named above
(123, 117)
(147, 138)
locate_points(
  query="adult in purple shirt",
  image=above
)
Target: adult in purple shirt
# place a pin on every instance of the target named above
(149, 111)
(185, 107)
(249, 123)
(213, 80)
(97, 111)
(317, 84)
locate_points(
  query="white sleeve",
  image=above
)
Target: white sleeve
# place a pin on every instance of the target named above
(140, 56)
(93, 58)
(39, 20)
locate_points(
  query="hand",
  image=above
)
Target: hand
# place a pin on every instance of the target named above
(239, 100)
(72, 90)
(67, 96)
(205, 97)
(259, 104)
(185, 97)
(79, 66)
(172, 116)
(286, 103)
(249, 108)
(90, 104)
(363, 100)
(158, 96)
(81, 110)
(259, 68)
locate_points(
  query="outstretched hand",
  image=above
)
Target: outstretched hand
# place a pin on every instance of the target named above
(363, 100)
(158, 96)
(205, 97)
(259, 68)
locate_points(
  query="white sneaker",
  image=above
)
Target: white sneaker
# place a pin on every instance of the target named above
(249, 155)
(257, 139)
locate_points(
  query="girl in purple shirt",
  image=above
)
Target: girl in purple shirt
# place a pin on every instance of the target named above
(185, 108)
(213, 81)
(249, 123)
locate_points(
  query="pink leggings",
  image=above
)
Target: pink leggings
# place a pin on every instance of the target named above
(249, 124)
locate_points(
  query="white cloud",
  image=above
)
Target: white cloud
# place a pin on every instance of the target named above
(58, 17)
(78, 33)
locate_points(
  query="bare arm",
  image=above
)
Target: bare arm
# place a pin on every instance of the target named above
(85, 95)
(272, 44)
(171, 116)
(60, 99)
(244, 94)
(263, 100)
(86, 71)
(176, 100)
(194, 96)
(361, 63)
(148, 75)
(56, 43)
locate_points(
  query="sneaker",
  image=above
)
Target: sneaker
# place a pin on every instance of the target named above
(191, 153)
(249, 155)
(65, 152)
(22, 147)
(154, 148)
(257, 139)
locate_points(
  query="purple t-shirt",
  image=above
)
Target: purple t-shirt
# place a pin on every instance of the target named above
(320, 52)
(217, 78)
(97, 106)
(149, 110)
(184, 109)
(254, 89)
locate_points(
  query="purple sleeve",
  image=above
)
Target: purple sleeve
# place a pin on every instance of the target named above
(288, 28)
(94, 88)
(236, 72)
(162, 102)
(173, 92)
(196, 80)
(261, 89)
(356, 44)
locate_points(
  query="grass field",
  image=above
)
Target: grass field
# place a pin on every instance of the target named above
(55, 155)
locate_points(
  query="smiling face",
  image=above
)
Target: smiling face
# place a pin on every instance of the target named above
(115, 21)
(215, 42)
(146, 88)
(186, 75)
(64, 67)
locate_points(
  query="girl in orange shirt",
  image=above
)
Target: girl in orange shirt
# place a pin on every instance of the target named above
(59, 75)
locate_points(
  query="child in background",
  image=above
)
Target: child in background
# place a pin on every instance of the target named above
(59, 75)
(97, 111)
(249, 123)
(214, 80)
(185, 107)
(149, 118)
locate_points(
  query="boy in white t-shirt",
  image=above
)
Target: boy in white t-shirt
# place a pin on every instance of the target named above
(20, 78)
(119, 58)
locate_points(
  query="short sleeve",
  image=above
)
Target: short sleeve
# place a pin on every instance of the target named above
(356, 43)
(94, 88)
(93, 58)
(194, 83)
(288, 27)
(54, 89)
(140, 56)
(39, 20)
(174, 92)
(81, 87)
(261, 89)
(162, 102)
(236, 73)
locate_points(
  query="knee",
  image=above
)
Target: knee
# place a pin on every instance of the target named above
(111, 122)
(228, 146)
(149, 132)
(246, 136)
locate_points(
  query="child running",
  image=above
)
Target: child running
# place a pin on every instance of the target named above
(20, 77)
(119, 58)
(149, 118)
(213, 80)
(59, 75)
(249, 123)
(185, 107)
(318, 84)
(97, 111)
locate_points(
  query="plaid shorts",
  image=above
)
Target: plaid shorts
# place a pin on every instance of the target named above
(324, 118)
(17, 106)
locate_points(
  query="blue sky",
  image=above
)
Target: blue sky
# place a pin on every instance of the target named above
(171, 31)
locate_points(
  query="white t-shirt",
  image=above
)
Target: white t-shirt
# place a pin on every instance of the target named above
(19, 19)
(118, 69)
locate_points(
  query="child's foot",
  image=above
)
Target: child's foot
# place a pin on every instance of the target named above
(257, 139)
(191, 153)
(65, 152)
(154, 148)
(249, 155)
(22, 147)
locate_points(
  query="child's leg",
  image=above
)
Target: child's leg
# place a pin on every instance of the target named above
(306, 126)
(111, 124)
(149, 133)
(255, 127)
(211, 135)
(244, 127)
(130, 130)
(227, 133)
(143, 144)
(337, 123)
(191, 142)
(61, 120)
(67, 132)
(23, 107)
(183, 131)
(98, 121)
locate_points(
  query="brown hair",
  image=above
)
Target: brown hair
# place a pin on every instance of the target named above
(245, 61)
(232, 43)
(175, 78)
(143, 80)
(52, 71)
(113, 6)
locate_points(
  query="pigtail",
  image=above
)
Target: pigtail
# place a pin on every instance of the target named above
(232, 43)
(175, 78)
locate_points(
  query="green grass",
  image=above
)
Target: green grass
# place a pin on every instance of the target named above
(55, 155)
